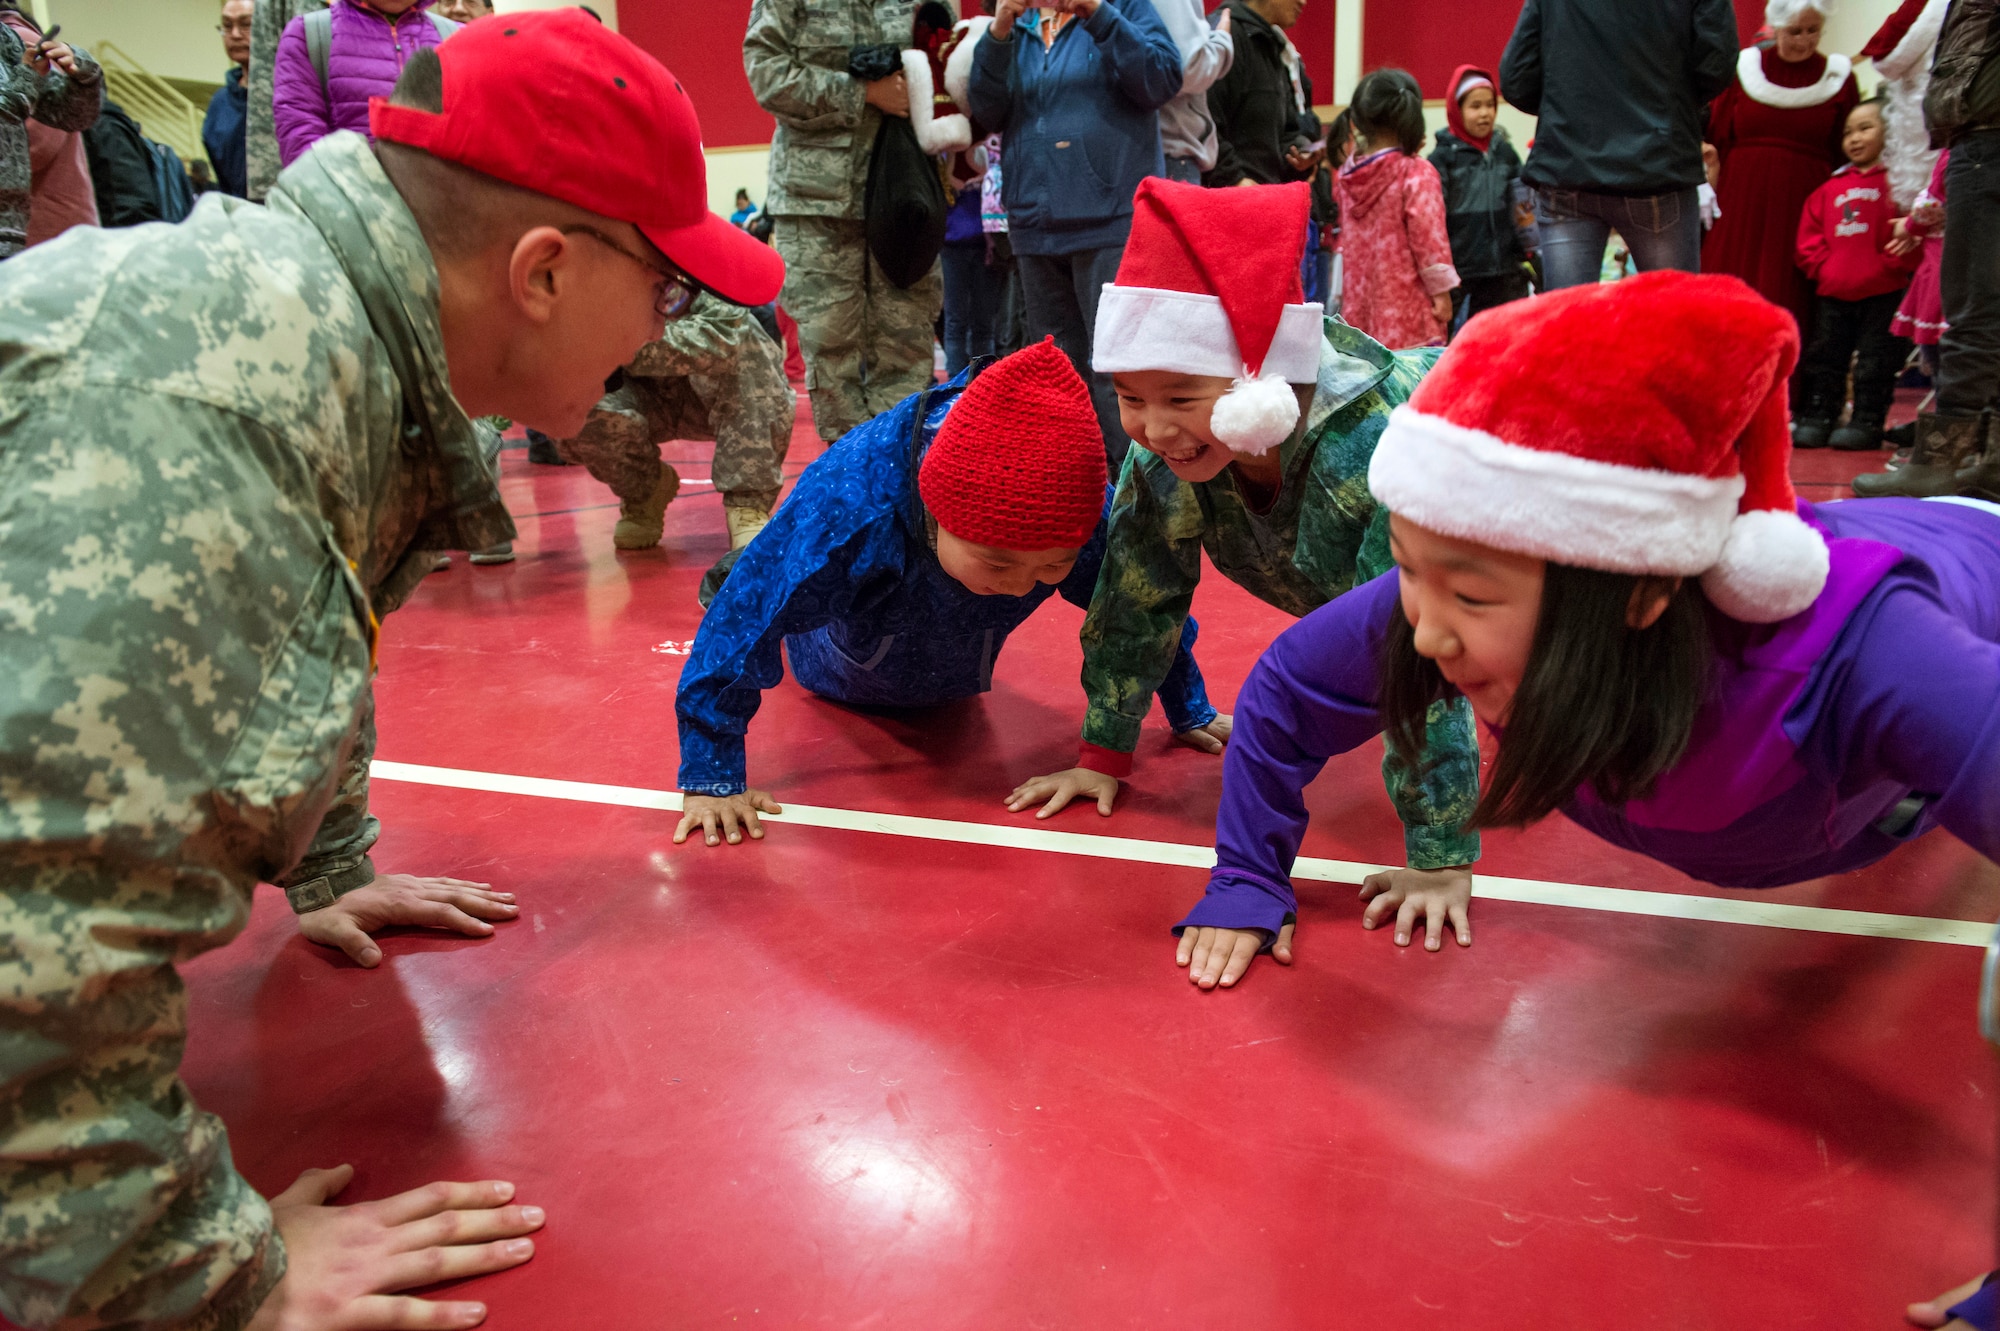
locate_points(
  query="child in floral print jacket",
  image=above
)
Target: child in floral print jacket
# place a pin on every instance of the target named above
(1397, 252)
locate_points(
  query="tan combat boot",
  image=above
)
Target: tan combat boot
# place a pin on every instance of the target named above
(1944, 445)
(641, 525)
(746, 515)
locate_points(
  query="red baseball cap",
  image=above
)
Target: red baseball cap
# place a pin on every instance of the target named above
(555, 102)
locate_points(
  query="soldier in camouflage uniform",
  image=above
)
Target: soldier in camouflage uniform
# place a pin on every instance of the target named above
(714, 374)
(260, 134)
(1321, 535)
(65, 93)
(867, 342)
(224, 448)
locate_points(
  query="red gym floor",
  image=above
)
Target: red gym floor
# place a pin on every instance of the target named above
(846, 1079)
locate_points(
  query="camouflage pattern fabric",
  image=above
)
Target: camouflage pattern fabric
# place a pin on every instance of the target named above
(56, 100)
(1323, 535)
(260, 134)
(219, 443)
(715, 375)
(795, 55)
(867, 342)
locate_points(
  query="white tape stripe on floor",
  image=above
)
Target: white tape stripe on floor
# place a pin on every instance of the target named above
(1625, 901)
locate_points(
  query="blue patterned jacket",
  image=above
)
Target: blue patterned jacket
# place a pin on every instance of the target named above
(845, 578)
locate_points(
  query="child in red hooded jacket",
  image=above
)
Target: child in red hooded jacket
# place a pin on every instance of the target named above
(1847, 245)
(1394, 248)
(1478, 167)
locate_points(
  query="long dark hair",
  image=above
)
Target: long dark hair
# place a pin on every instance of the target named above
(1602, 704)
(1389, 104)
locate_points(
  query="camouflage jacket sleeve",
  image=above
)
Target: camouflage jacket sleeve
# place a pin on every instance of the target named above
(798, 93)
(1132, 634)
(1435, 800)
(71, 103)
(338, 861)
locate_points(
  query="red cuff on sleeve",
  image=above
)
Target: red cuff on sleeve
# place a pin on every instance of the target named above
(1108, 761)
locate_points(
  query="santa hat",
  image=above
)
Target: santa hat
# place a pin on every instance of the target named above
(1210, 285)
(1637, 427)
(1019, 461)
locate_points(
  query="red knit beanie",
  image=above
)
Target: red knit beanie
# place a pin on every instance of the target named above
(1019, 462)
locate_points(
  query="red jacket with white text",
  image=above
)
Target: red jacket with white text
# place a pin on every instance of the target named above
(1843, 232)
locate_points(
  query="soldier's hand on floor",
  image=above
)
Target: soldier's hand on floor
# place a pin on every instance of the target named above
(1220, 956)
(401, 898)
(345, 1264)
(1209, 738)
(1437, 896)
(1060, 788)
(725, 816)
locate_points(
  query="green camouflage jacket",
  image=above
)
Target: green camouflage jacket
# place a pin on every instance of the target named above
(795, 54)
(1323, 535)
(219, 442)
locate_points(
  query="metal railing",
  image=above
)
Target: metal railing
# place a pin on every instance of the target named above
(163, 113)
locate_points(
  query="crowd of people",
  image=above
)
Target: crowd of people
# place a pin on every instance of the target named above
(1182, 322)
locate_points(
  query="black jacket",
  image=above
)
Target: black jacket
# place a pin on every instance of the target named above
(1619, 86)
(1479, 204)
(1964, 90)
(121, 170)
(1256, 115)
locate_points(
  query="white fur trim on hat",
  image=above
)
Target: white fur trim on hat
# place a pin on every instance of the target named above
(1772, 566)
(1145, 328)
(1478, 487)
(935, 133)
(1255, 415)
(1759, 88)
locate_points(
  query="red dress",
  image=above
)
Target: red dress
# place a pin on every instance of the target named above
(1395, 250)
(1773, 158)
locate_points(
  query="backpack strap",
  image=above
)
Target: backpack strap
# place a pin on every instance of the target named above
(319, 43)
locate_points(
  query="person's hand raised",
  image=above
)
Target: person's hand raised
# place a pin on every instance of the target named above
(1004, 19)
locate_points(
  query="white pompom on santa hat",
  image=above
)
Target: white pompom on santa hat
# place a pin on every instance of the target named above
(1636, 427)
(1209, 285)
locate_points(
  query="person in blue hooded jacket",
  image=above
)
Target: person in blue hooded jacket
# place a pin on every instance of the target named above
(903, 559)
(1076, 92)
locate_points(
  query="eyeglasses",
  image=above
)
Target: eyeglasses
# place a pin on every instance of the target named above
(676, 293)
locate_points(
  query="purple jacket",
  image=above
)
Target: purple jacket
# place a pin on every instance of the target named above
(1816, 732)
(363, 61)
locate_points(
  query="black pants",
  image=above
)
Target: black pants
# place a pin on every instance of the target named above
(1854, 331)
(1968, 378)
(1475, 294)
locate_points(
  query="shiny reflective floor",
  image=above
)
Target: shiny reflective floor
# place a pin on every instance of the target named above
(848, 1080)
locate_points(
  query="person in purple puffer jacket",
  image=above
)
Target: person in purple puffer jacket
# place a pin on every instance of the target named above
(370, 42)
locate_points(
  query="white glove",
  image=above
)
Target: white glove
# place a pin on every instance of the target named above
(1710, 209)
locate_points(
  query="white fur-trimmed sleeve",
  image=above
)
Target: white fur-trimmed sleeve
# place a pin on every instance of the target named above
(935, 133)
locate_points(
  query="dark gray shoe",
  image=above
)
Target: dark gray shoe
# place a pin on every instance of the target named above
(543, 449)
(1945, 446)
(1857, 436)
(1810, 434)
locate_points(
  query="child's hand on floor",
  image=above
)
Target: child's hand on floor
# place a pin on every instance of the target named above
(1211, 737)
(1062, 787)
(723, 814)
(1220, 956)
(1435, 895)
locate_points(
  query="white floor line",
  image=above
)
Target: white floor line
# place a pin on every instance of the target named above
(1624, 901)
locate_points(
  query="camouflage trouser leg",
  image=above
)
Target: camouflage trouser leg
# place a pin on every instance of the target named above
(620, 443)
(867, 342)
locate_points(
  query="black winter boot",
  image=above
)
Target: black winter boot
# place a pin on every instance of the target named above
(1859, 435)
(1945, 445)
(1981, 480)
(1809, 433)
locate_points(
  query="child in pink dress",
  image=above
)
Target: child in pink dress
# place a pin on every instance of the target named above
(1921, 315)
(1395, 251)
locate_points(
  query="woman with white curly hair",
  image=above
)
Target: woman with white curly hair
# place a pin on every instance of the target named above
(1777, 129)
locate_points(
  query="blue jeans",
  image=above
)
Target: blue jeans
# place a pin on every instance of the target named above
(1660, 230)
(1059, 295)
(971, 304)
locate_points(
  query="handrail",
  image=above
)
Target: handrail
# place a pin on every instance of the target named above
(162, 111)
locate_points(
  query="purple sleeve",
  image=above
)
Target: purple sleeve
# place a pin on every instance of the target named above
(299, 106)
(1311, 696)
(1928, 718)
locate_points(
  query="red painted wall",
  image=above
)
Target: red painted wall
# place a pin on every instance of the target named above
(702, 42)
